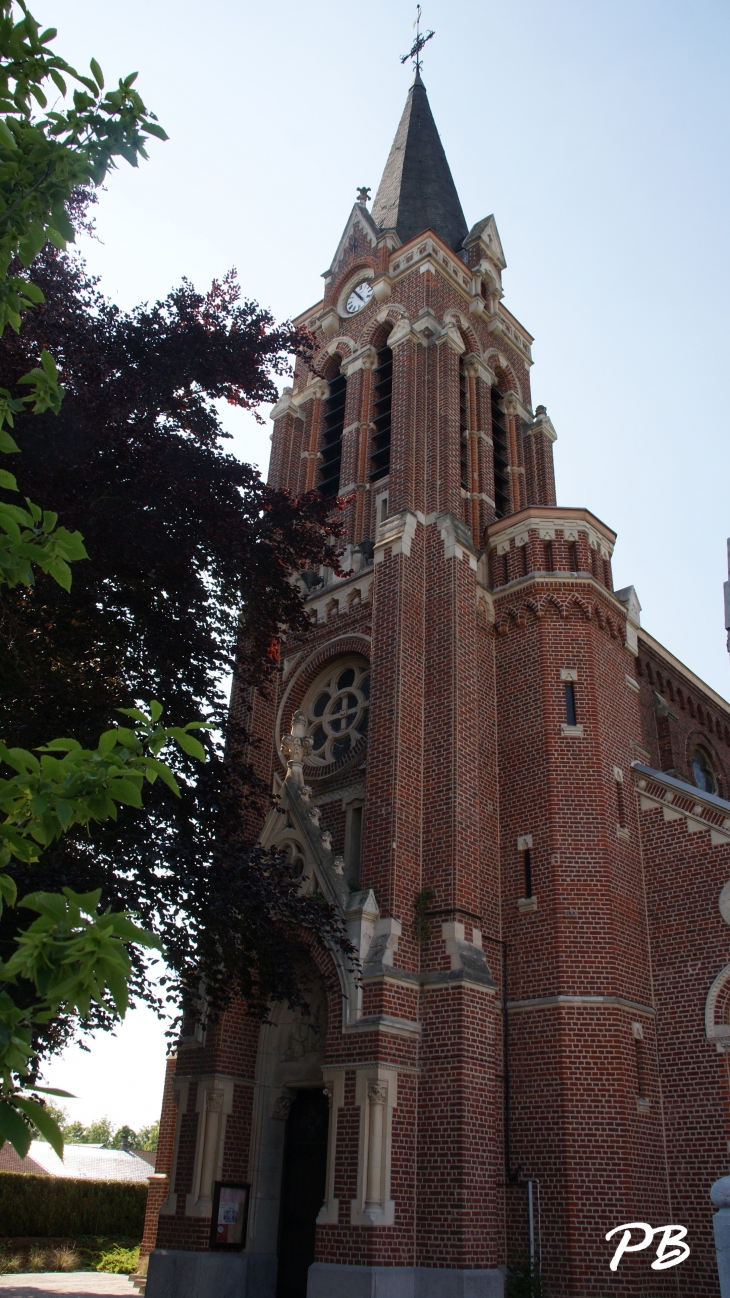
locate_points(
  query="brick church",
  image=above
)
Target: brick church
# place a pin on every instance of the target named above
(520, 803)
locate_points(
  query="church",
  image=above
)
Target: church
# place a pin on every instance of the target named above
(518, 800)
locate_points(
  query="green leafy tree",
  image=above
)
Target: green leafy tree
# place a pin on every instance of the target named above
(72, 954)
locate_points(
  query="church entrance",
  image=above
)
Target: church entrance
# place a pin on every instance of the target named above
(302, 1190)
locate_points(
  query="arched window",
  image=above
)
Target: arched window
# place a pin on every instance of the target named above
(499, 456)
(383, 390)
(704, 776)
(334, 423)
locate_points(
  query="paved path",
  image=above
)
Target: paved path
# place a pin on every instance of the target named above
(72, 1284)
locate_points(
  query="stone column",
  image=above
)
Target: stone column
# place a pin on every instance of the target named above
(720, 1195)
(377, 1095)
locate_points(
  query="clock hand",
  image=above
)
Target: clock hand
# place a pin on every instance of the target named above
(358, 295)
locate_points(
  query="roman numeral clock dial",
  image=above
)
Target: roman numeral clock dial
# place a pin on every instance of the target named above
(359, 298)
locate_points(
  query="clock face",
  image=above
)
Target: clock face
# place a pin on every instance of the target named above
(359, 298)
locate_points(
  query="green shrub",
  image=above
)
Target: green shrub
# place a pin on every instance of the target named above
(118, 1260)
(49, 1206)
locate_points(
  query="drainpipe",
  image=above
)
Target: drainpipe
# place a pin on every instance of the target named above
(511, 1174)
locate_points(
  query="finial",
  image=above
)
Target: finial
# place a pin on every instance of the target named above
(363, 194)
(418, 43)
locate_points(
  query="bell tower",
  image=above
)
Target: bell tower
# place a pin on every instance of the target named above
(451, 747)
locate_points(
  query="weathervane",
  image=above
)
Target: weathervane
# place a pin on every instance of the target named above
(418, 43)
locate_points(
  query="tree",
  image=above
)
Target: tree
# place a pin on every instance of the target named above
(242, 904)
(71, 956)
(136, 452)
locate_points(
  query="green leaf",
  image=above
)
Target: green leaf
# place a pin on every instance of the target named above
(42, 1119)
(7, 480)
(14, 1129)
(97, 73)
(8, 891)
(189, 745)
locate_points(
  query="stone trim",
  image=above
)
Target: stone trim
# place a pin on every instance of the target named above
(581, 1002)
(214, 1102)
(679, 800)
(376, 1095)
(334, 1089)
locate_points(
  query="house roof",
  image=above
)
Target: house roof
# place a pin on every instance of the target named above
(90, 1162)
(417, 191)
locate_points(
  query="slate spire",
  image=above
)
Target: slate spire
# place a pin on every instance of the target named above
(417, 191)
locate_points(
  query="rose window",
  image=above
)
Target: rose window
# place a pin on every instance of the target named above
(336, 708)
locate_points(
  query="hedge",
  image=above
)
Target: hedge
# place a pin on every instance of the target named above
(48, 1206)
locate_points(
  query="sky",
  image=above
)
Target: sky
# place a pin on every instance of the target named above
(598, 136)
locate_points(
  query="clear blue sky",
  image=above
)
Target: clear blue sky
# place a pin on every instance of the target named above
(597, 134)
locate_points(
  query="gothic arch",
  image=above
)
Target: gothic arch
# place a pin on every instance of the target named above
(386, 317)
(700, 739)
(717, 1010)
(471, 342)
(323, 361)
(307, 671)
(506, 380)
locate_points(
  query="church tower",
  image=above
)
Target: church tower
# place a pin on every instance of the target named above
(455, 747)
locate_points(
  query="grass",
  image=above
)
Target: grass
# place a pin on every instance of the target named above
(85, 1253)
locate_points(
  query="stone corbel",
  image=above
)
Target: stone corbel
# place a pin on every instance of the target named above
(456, 538)
(334, 1089)
(514, 406)
(453, 338)
(467, 958)
(286, 406)
(213, 1105)
(376, 1094)
(402, 332)
(395, 533)
(383, 945)
(330, 323)
(381, 288)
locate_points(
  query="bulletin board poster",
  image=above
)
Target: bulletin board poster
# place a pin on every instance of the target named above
(230, 1214)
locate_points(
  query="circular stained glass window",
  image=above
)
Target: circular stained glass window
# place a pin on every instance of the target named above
(336, 708)
(704, 776)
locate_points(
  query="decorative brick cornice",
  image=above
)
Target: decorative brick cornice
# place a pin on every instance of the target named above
(681, 801)
(546, 520)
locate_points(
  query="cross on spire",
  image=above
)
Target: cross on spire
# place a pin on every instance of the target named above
(418, 44)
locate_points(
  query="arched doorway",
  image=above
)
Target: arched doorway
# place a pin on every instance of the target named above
(302, 1189)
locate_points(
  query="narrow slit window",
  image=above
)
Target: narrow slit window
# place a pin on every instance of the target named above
(527, 861)
(499, 457)
(570, 715)
(383, 396)
(620, 806)
(549, 565)
(331, 448)
(573, 556)
(464, 427)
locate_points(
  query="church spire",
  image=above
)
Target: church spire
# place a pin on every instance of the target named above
(417, 191)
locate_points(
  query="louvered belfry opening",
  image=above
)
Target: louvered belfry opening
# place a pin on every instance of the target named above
(383, 392)
(464, 427)
(331, 448)
(499, 454)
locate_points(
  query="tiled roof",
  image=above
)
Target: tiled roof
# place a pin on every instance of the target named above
(90, 1162)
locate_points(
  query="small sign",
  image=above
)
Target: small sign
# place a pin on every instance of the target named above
(230, 1214)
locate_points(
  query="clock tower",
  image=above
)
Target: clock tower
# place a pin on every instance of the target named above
(471, 765)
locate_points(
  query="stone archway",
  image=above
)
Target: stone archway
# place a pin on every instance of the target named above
(289, 1061)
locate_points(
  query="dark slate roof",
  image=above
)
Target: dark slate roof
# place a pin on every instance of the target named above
(417, 191)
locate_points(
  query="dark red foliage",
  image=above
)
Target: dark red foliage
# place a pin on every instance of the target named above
(189, 550)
